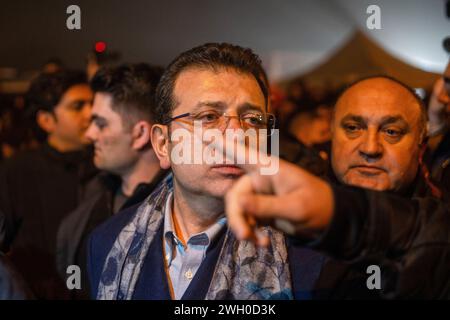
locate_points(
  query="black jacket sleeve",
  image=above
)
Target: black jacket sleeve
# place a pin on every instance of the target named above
(408, 238)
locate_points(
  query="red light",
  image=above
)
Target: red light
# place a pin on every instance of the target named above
(100, 46)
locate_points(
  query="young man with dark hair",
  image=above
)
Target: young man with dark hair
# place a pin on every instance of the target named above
(39, 188)
(175, 245)
(120, 131)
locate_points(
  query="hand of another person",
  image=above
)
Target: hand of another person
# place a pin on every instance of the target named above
(292, 200)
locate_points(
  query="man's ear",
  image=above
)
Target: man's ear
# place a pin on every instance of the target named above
(160, 142)
(424, 137)
(141, 135)
(332, 128)
(46, 121)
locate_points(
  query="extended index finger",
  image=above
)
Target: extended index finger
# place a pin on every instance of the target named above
(250, 159)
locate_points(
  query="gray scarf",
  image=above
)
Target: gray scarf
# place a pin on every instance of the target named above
(243, 271)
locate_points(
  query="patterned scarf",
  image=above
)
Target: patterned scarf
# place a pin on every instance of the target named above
(243, 271)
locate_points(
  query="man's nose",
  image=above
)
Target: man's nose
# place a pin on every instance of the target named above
(371, 148)
(90, 133)
(232, 122)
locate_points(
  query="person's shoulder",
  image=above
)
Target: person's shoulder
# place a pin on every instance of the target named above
(99, 183)
(23, 167)
(94, 195)
(22, 159)
(103, 237)
(101, 241)
(106, 233)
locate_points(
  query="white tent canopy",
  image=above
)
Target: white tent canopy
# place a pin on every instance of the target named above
(292, 36)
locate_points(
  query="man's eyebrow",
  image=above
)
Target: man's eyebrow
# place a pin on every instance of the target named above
(384, 120)
(213, 104)
(248, 107)
(353, 117)
(95, 117)
(219, 105)
(394, 119)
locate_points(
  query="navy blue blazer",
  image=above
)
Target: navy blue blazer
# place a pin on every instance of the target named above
(305, 264)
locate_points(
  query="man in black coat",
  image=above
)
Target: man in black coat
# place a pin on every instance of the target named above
(38, 188)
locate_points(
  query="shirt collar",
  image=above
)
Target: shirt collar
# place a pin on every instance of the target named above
(203, 238)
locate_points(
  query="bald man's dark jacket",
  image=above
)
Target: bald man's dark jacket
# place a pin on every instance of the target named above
(406, 235)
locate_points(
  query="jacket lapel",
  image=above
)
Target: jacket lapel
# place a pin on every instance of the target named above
(152, 283)
(199, 286)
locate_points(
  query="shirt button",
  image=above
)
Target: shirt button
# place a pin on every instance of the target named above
(188, 274)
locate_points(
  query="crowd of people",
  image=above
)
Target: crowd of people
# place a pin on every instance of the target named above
(88, 178)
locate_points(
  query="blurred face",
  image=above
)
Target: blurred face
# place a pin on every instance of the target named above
(225, 91)
(112, 142)
(312, 128)
(444, 96)
(72, 116)
(376, 136)
(320, 131)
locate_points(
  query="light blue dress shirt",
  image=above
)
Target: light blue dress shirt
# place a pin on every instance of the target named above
(184, 261)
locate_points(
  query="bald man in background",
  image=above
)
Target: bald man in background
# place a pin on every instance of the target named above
(371, 212)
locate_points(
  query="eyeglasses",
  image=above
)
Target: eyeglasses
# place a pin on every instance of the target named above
(212, 119)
